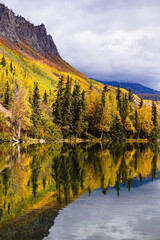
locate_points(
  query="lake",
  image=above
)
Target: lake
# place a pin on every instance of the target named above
(86, 191)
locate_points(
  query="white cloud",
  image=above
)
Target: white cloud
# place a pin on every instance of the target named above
(114, 38)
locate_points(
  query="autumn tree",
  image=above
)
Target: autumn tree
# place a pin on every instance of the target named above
(22, 111)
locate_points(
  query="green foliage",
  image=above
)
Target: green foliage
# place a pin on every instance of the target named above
(116, 130)
(45, 97)
(118, 97)
(3, 61)
(7, 96)
(154, 114)
(130, 96)
(141, 103)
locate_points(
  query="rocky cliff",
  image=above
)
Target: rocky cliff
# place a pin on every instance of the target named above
(18, 29)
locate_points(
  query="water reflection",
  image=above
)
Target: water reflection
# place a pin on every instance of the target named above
(38, 177)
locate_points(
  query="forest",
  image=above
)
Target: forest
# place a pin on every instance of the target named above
(71, 110)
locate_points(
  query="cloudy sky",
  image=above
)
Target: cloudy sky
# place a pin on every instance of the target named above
(104, 39)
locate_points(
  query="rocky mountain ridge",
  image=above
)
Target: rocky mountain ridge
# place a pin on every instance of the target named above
(17, 29)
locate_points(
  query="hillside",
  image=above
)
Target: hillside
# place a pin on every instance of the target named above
(33, 52)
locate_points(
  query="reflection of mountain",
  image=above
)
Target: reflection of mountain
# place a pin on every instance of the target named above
(36, 171)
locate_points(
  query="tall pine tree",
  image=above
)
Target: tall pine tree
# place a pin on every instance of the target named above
(7, 96)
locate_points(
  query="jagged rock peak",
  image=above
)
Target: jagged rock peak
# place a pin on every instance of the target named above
(17, 29)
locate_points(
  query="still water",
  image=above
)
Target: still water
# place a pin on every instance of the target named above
(80, 191)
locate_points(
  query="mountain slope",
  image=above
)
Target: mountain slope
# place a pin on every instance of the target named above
(34, 53)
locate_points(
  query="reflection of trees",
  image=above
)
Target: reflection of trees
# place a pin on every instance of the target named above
(36, 170)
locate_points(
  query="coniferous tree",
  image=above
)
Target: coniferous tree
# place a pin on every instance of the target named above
(106, 89)
(116, 130)
(45, 97)
(141, 103)
(154, 114)
(58, 105)
(154, 135)
(11, 66)
(67, 117)
(124, 108)
(130, 96)
(118, 97)
(90, 87)
(58, 110)
(36, 112)
(7, 96)
(3, 61)
(103, 98)
(76, 111)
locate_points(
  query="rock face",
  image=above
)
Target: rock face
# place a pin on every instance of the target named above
(17, 29)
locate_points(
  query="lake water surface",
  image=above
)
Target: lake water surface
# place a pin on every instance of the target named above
(80, 191)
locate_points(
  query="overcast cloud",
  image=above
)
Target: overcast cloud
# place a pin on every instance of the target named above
(104, 39)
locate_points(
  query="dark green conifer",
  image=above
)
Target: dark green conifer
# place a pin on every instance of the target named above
(58, 105)
(45, 97)
(141, 103)
(103, 98)
(76, 111)
(11, 66)
(36, 113)
(3, 61)
(116, 130)
(90, 87)
(130, 96)
(154, 114)
(118, 97)
(7, 96)
(67, 117)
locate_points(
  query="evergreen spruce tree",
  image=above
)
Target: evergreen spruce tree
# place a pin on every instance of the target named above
(7, 96)
(118, 97)
(36, 113)
(45, 97)
(58, 105)
(58, 110)
(155, 133)
(90, 87)
(103, 98)
(130, 96)
(154, 114)
(76, 111)
(3, 61)
(11, 66)
(116, 130)
(141, 103)
(106, 89)
(67, 117)
(124, 108)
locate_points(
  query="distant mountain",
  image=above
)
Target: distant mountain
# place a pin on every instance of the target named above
(138, 89)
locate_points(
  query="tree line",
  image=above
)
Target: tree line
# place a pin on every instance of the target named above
(73, 112)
